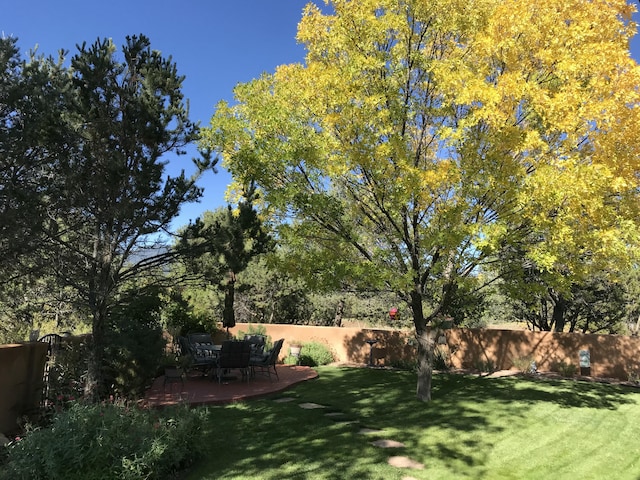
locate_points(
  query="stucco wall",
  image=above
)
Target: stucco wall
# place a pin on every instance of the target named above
(611, 356)
(21, 372)
(347, 343)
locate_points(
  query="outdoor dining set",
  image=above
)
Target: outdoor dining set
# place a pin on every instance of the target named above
(249, 356)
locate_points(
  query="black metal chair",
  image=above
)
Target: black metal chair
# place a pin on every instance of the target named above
(268, 361)
(234, 355)
(199, 359)
(257, 342)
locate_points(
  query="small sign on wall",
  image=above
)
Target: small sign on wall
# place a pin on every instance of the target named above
(585, 359)
(585, 362)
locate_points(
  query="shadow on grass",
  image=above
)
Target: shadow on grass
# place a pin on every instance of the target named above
(268, 440)
(565, 393)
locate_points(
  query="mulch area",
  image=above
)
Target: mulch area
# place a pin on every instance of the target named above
(202, 390)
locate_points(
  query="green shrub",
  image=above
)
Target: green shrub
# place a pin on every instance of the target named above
(440, 359)
(315, 353)
(67, 370)
(134, 343)
(525, 364)
(402, 364)
(634, 375)
(566, 369)
(256, 330)
(180, 317)
(290, 360)
(486, 366)
(107, 441)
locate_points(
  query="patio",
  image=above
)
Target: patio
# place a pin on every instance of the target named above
(201, 390)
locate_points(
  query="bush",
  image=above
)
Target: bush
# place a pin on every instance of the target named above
(134, 343)
(487, 366)
(526, 364)
(314, 354)
(107, 441)
(402, 364)
(566, 369)
(440, 359)
(634, 375)
(256, 330)
(67, 371)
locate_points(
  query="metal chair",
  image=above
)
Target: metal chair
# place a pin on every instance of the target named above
(234, 355)
(196, 359)
(257, 343)
(268, 361)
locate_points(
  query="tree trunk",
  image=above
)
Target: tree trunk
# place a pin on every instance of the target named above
(228, 314)
(559, 308)
(426, 346)
(337, 319)
(94, 384)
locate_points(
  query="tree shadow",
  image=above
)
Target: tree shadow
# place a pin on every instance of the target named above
(390, 347)
(266, 436)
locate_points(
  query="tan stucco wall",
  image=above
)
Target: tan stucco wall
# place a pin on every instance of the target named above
(21, 372)
(347, 343)
(611, 355)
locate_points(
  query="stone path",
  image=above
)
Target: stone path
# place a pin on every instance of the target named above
(397, 461)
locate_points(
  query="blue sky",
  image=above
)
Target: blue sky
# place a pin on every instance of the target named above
(215, 44)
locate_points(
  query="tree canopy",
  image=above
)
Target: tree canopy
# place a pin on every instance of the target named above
(221, 244)
(82, 158)
(421, 139)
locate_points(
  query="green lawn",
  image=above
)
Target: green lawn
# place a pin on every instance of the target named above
(479, 428)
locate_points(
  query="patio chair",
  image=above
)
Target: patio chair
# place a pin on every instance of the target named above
(268, 361)
(234, 355)
(257, 343)
(198, 358)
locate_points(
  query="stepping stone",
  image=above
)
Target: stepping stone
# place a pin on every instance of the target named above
(387, 444)
(284, 399)
(408, 478)
(334, 414)
(404, 462)
(311, 406)
(368, 431)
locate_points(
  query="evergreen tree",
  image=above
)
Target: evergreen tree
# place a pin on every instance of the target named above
(221, 245)
(113, 195)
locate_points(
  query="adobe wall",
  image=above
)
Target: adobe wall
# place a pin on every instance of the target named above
(347, 343)
(21, 372)
(612, 356)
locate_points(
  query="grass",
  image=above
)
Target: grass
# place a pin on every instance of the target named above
(475, 428)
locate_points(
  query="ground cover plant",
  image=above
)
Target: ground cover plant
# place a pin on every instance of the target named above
(106, 441)
(475, 427)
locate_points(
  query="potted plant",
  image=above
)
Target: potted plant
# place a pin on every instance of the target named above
(294, 348)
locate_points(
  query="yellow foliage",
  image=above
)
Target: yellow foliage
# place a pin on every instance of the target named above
(449, 121)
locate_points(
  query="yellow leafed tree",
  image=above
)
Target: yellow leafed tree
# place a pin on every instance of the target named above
(420, 138)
